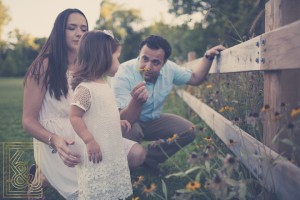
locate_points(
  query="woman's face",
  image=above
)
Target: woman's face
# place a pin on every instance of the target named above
(76, 27)
(115, 62)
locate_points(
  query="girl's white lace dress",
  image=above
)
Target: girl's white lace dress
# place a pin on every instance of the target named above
(54, 116)
(109, 179)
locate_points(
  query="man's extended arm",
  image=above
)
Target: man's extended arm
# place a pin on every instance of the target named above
(202, 69)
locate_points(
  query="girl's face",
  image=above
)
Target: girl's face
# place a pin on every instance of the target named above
(115, 62)
(76, 26)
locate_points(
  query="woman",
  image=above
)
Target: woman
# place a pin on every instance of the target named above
(46, 105)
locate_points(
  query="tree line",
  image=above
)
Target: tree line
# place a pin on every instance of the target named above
(221, 22)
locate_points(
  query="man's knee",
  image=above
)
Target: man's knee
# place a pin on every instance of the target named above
(188, 137)
(137, 156)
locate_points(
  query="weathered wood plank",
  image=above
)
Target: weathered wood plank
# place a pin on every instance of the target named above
(282, 177)
(282, 48)
(278, 49)
(239, 58)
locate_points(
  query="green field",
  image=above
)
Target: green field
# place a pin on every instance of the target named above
(11, 95)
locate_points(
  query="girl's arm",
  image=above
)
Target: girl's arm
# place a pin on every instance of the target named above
(33, 97)
(80, 128)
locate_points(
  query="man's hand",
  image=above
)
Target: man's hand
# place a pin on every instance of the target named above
(140, 93)
(125, 125)
(214, 51)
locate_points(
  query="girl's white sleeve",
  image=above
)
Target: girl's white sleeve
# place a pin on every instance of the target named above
(82, 98)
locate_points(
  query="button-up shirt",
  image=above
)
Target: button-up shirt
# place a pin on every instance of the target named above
(128, 76)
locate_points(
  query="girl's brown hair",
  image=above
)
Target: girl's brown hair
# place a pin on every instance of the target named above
(94, 56)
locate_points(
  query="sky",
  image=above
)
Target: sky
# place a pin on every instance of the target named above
(36, 17)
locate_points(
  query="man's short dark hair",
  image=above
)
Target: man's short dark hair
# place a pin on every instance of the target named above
(157, 42)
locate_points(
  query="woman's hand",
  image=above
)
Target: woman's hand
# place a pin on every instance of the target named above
(61, 144)
(125, 126)
(94, 152)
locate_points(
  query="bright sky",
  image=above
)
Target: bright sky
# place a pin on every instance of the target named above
(36, 17)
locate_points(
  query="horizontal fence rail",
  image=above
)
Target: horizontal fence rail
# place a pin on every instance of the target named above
(275, 50)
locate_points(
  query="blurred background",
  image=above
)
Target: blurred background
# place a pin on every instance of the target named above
(188, 25)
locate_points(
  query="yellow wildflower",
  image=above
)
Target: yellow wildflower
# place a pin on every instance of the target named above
(193, 185)
(171, 139)
(265, 108)
(208, 139)
(222, 110)
(138, 181)
(295, 112)
(276, 116)
(144, 69)
(228, 108)
(149, 188)
(208, 86)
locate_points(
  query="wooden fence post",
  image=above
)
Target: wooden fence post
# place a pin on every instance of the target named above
(191, 56)
(280, 86)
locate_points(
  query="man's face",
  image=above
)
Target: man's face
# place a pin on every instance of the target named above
(150, 63)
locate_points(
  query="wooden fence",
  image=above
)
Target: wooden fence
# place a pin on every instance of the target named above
(277, 54)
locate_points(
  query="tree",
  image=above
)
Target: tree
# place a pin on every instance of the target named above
(20, 53)
(124, 23)
(4, 17)
(228, 22)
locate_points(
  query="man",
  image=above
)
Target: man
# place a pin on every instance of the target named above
(141, 87)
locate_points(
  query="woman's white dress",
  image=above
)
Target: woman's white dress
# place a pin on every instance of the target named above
(109, 179)
(54, 116)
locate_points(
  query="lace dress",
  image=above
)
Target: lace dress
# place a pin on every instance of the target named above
(109, 179)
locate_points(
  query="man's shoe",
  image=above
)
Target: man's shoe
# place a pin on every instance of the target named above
(31, 172)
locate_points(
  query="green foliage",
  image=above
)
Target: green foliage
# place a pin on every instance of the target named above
(237, 96)
(17, 56)
(123, 22)
(11, 96)
(225, 20)
(4, 17)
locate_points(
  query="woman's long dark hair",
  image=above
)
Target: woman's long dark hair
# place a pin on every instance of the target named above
(56, 50)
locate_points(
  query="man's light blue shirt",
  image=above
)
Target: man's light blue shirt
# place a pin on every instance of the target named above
(128, 76)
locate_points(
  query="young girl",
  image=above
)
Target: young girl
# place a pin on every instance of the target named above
(103, 172)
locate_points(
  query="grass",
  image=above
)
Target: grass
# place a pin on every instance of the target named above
(11, 96)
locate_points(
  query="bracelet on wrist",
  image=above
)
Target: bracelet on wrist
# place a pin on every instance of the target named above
(209, 57)
(52, 147)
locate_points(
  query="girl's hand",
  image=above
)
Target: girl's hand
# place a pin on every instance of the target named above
(125, 125)
(94, 152)
(61, 144)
